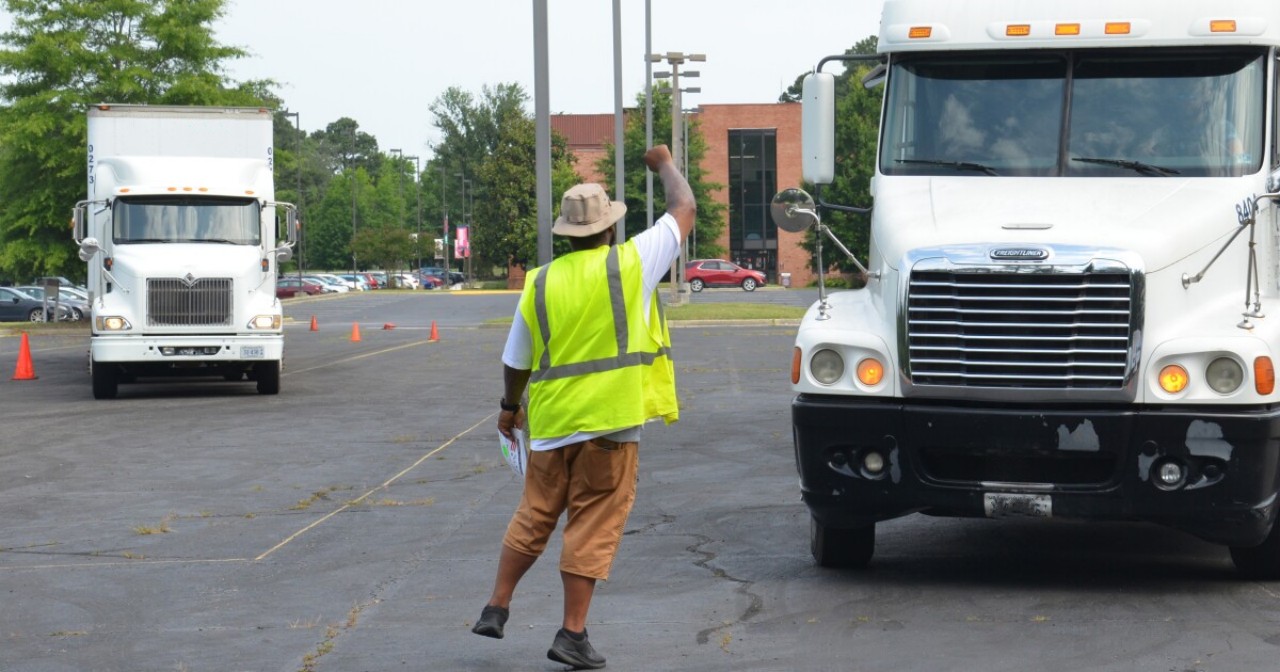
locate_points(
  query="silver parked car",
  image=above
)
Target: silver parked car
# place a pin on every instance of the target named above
(18, 306)
(79, 307)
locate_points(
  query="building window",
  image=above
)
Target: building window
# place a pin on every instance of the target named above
(753, 180)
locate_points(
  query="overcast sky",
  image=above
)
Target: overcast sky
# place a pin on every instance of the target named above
(383, 62)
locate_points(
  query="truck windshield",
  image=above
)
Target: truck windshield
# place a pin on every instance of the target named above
(1121, 113)
(186, 219)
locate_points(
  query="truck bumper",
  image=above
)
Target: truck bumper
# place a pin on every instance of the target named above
(177, 352)
(1100, 463)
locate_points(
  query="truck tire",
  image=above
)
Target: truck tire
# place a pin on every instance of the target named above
(268, 376)
(1261, 562)
(841, 548)
(105, 380)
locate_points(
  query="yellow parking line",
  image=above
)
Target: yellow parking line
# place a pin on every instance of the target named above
(384, 485)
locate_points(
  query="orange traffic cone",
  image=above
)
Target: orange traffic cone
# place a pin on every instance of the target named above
(355, 332)
(314, 325)
(388, 326)
(435, 334)
(25, 370)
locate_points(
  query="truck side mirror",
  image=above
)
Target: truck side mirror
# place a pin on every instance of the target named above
(818, 127)
(793, 210)
(89, 247)
(291, 224)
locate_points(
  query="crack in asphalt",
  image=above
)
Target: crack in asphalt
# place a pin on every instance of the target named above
(756, 602)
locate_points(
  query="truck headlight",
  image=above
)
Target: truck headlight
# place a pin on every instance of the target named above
(826, 366)
(265, 322)
(1224, 375)
(112, 323)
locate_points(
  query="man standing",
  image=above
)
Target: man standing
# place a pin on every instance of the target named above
(590, 342)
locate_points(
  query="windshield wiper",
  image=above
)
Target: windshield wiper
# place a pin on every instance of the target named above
(147, 240)
(1138, 166)
(957, 165)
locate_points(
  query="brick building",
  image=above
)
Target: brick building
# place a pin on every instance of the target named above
(752, 149)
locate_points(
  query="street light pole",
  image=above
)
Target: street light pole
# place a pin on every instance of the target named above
(679, 288)
(354, 270)
(444, 206)
(417, 191)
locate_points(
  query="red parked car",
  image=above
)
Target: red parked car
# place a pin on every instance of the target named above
(720, 273)
(289, 287)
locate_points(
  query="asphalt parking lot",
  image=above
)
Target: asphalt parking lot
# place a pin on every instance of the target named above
(353, 523)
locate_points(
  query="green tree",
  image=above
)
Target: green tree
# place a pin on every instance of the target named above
(63, 56)
(711, 213)
(490, 141)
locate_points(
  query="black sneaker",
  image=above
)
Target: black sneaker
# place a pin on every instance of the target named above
(491, 621)
(578, 654)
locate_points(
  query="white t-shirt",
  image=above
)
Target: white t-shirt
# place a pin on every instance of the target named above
(658, 245)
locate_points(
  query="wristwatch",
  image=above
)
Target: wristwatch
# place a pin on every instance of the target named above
(510, 408)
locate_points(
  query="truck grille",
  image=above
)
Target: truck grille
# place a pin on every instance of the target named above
(179, 302)
(996, 328)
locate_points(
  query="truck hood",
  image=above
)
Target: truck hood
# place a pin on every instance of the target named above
(133, 264)
(1161, 219)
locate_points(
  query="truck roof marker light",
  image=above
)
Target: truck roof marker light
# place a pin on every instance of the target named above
(870, 372)
(1066, 29)
(920, 32)
(104, 108)
(173, 188)
(1222, 26)
(249, 192)
(1118, 28)
(1264, 375)
(1174, 379)
(123, 190)
(795, 366)
(204, 189)
(186, 188)
(1017, 29)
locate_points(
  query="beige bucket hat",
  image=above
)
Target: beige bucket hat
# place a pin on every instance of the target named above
(586, 210)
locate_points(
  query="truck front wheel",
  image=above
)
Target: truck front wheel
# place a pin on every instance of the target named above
(105, 380)
(840, 548)
(268, 376)
(1261, 562)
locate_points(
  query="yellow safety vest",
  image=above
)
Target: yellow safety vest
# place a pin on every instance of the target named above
(597, 366)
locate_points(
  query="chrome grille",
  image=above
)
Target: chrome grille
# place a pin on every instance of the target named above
(1002, 328)
(179, 302)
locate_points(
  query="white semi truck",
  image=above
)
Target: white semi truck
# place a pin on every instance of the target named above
(1072, 300)
(180, 234)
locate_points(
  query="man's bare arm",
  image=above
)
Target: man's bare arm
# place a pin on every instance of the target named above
(680, 201)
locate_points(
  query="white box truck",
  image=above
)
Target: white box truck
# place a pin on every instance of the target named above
(180, 234)
(1074, 263)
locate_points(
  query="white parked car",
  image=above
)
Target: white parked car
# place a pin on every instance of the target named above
(329, 284)
(334, 279)
(408, 280)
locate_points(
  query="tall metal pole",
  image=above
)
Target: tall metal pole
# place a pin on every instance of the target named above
(353, 201)
(619, 167)
(417, 192)
(648, 112)
(444, 205)
(542, 132)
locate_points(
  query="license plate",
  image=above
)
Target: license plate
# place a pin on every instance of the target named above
(252, 352)
(1010, 505)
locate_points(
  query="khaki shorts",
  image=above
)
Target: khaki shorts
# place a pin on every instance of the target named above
(595, 481)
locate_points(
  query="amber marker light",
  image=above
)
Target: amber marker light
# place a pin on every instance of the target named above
(1223, 26)
(1173, 379)
(1118, 28)
(1264, 375)
(795, 366)
(1066, 29)
(1018, 30)
(870, 372)
(920, 32)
